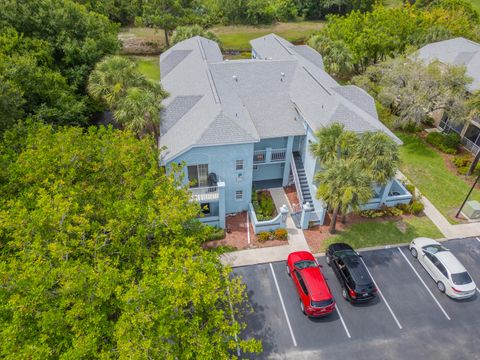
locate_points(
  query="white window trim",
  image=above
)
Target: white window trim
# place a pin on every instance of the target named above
(237, 162)
(236, 195)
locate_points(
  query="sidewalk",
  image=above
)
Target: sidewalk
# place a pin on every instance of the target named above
(296, 241)
(448, 230)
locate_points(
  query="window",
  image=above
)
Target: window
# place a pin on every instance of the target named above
(239, 195)
(442, 269)
(461, 278)
(198, 175)
(239, 165)
(301, 282)
(205, 208)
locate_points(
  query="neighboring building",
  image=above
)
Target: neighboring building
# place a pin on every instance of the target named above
(459, 51)
(243, 123)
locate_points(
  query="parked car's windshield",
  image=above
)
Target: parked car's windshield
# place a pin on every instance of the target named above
(433, 249)
(322, 303)
(305, 264)
(461, 278)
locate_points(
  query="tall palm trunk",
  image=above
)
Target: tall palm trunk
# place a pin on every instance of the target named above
(474, 163)
(333, 223)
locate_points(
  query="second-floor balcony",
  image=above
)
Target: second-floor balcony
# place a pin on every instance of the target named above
(205, 194)
(269, 156)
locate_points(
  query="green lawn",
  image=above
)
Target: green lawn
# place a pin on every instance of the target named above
(385, 233)
(238, 37)
(427, 170)
(149, 66)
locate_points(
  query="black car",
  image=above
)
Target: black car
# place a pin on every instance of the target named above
(357, 285)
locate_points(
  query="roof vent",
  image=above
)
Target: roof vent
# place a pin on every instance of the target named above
(234, 77)
(282, 74)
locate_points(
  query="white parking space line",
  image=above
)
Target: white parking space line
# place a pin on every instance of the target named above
(478, 290)
(383, 297)
(343, 322)
(283, 306)
(425, 285)
(478, 239)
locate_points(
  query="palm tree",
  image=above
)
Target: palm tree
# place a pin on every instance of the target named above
(379, 155)
(344, 186)
(334, 142)
(134, 100)
(139, 111)
(111, 78)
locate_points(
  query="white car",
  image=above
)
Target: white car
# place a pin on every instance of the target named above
(449, 274)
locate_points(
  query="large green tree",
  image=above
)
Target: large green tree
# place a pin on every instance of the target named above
(32, 84)
(100, 255)
(413, 91)
(167, 15)
(79, 38)
(362, 39)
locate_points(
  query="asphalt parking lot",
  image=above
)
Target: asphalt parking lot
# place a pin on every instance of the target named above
(410, 319)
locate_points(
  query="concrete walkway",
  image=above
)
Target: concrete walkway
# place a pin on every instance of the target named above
(448, 230)
(296, 241)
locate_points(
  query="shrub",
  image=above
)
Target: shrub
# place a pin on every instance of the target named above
(411, 189)
(448, 143)
(416, 207)
(215, 233)
(264, 236)
(280, 234)
(461, 161)
(263, 204)
(383, 211)
(452, 140)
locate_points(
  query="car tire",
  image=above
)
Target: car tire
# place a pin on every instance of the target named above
(288, 271)
(345, 294)
(414, 253)
(327, 260)
(441, 286)
(302, 307)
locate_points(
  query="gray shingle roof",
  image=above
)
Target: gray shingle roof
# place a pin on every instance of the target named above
(217, 102)
(359, 97)
(174, 58)
(457, 51)
(176, 109)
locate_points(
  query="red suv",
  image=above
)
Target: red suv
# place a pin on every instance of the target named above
(315, 296)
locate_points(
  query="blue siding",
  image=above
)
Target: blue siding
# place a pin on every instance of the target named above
(221, 160)
(274, 143)
(268, 172)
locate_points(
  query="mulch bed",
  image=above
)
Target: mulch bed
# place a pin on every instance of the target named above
(237, 237)
(291, 193)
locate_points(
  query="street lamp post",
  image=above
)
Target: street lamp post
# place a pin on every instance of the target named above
(468, 195)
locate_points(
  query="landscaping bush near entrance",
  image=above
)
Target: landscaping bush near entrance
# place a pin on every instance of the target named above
(263, 204)
(279, 234)
(448, 143)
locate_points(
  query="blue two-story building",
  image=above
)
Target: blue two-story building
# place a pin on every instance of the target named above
(240, 124)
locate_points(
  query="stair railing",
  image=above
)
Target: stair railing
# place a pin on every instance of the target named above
(296, 180)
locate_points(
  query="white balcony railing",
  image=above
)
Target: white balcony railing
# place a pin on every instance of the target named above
(278, 154)
(269, 155)
(259, 156)
(207, 193)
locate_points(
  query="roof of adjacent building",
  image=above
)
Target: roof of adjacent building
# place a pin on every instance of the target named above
(457, 51)
(214, 102)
